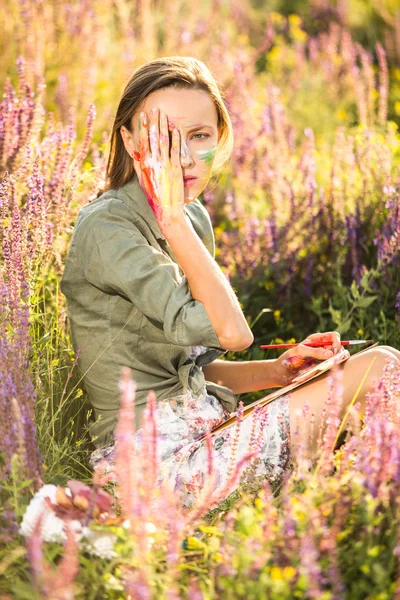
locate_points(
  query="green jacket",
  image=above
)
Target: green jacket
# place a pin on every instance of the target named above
(129, 304)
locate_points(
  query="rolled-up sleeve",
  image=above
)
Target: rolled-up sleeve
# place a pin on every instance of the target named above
(115, 257)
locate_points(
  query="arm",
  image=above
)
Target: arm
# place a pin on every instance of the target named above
(251, 376)
(209, 286)
(115, 257)
(161, 178)
(244, 376)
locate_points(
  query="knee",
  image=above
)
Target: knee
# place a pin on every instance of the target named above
(377, 359)
(392, 351)
(382, 355)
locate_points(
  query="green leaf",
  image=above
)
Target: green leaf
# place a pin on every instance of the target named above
(364, 283)
(43, 339)
(335, 314)
(344, 327)
(354, 291)
(365, 302)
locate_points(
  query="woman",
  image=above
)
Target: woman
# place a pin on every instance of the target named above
(144, 291)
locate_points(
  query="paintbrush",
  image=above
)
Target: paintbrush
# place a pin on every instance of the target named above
(318, 344)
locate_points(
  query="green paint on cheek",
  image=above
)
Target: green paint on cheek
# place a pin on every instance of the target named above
(207, 155)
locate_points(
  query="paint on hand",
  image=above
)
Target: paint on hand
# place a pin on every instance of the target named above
(185, 154)
(157, 183)
(207, 155)
(296, 364)
(158, 186)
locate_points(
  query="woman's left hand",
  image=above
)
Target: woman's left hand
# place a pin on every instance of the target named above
(291, 362)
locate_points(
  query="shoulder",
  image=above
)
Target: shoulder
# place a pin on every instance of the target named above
(199, 216)
(105, 213)
(197, 209)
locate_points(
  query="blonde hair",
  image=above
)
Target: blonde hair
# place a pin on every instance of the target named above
(173, 71)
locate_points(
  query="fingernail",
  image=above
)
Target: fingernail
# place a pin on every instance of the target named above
(136, 155)
(154, 110)
(143, 116)
(327, 353)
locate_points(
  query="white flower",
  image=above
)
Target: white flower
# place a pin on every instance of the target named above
(97, 543)
(149, 528)
(52, 526)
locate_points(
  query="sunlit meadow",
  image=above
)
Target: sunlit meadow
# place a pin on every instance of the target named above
(307, 223)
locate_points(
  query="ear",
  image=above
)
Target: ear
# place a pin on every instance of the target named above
(128, 140)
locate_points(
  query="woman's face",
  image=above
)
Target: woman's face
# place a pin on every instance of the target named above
(193, 112)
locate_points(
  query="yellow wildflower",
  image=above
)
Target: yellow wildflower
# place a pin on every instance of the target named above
(258, 503)
(277, 18)
(341, 114)
(295, 20)
(276, 573)
(289, 572)
(298, 34)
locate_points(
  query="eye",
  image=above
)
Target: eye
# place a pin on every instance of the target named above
(205, 135)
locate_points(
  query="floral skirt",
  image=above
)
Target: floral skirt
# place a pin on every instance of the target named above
(183, 456)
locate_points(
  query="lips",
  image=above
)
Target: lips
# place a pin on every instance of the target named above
(189, 181)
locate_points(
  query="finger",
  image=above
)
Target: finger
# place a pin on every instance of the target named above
(332, 337)
(177, 175)
(154, 133)
(171, 128)
(143, 135)
(175, 150)
(321, 338)
(164, 138)
(337, 346)
(318, 353)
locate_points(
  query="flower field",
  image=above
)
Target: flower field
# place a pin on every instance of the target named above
(307, 222)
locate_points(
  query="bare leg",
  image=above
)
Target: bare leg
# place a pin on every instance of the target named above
(316, 392)
(391, 350)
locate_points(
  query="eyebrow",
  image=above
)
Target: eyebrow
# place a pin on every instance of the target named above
(195, 127)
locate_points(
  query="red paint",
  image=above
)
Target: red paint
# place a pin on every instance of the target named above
(147, 184)
(148, 188)
(294, 363)
(320, 344)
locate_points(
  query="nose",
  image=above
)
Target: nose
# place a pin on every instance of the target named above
(186, 157)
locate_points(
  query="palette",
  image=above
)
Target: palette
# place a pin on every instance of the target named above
(305, 377)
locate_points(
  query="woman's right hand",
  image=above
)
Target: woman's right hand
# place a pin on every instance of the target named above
(161, 174)
(292, 362)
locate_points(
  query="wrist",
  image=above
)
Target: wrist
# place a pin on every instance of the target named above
(171, 225)
(275, 375)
